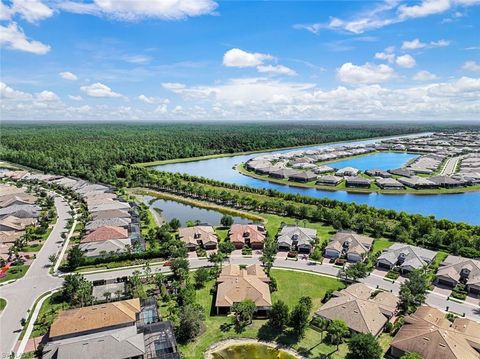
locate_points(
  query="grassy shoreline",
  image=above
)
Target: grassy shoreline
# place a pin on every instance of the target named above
(220, 155)
(241, 168)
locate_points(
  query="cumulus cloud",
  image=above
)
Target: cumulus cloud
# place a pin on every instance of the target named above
(66, 75)
(387, 54)
(75, 98)
(424, 76)
(7, 92)
(99, 90)
(31, 10)
(47, 96)
(134, 10)
(471, 66)
(239, 58)
(152, 100)
(13, 37)
(417, 44)
(365, 74)
(276, 69)
(173, 86)
(406, 61)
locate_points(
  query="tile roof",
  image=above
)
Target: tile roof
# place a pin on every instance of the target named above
(239, 232)
(300, 234)
(106, 233)
(236, 284)
(358, 243)
(453, 266)
(95, 318)
(415, 257)
(191, 235)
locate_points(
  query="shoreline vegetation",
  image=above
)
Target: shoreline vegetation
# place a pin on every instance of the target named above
(434, 191)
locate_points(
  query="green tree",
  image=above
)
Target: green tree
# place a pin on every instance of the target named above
(201, 276)
(226, 247)
(413, 291)
(244, 311)
(75, 258)
(190, 322)
(77, 290)
(174, 224)
(364, 346)
(356, 271)
(300, 315)
(226, 220)
(278, 315)
(337, 330)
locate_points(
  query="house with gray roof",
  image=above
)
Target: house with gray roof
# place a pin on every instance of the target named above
(446, 181)
(352, 245)
(401, 172)
(389, 183)
(378, 173)
(296, 238)
(406, 257)
(283, 173)
(417, 182)
(303, 177)
(21, 211)
(329, 180)
(455, 270)
(357, 181)
(114, 222)
(347, 171)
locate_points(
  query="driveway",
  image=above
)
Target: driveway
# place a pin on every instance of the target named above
(22, 294)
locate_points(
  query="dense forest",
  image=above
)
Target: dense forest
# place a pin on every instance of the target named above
(91, 150)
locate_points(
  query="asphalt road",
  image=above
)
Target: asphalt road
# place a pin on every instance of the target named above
(22, 294)
(450, 166)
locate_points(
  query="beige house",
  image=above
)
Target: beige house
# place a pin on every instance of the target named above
(198, 236)
(455, 270)
(252, 235)
(362, 311)
(236, 284)
(428, 333)
(354, 246)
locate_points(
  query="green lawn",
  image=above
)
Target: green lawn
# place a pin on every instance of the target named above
(291, 286)
(48, 312)
(222, 233)
(3, 304)
(32, 247)
(15, 272)
(380, 244)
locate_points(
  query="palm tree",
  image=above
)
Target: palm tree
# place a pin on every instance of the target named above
(107, 296)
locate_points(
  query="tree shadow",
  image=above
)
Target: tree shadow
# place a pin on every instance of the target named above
(267, 333)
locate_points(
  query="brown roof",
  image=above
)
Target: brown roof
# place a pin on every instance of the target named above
(7, 199)
(430, 334)
(110, 213)
(94, 318)
(239, 232)
(10, 236)
(191, 235)
(358, 243)
(17, 224)
(236, 284)
(361, 313)
(105, 233)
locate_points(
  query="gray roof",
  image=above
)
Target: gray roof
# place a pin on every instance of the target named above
(115, 222)
(31, 209)
(415, 257)
(115, 344)
(302, 235)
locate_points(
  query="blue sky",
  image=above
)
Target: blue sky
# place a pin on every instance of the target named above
(240, 60)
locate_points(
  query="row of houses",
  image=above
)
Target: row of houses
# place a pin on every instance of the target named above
(18, 210)
(114, 224)
(124, 329)
(426, 332)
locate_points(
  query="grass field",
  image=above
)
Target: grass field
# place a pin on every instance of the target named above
(291, 286)
(3, 304)
(15, 272)
(380, 244)
(48, 312)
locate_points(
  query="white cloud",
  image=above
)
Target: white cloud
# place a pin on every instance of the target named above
(9, 93)
(5, 12)
(387, 54)
(31, 10)
(471, 66)
(66, 75)
(162, 109)
(133, 10)
(417, 44)
(137, 59)
(47, 96)
(75, 98)
(173, 86)
(387, 13)
(239, 58)
(424, 76)
(13, 37)
(276, 69)
(99, 90)
(365, 74)
(152, 100)
(406, 61)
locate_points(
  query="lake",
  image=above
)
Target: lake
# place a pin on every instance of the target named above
(379, 160)
(184, 212)
(456, 207)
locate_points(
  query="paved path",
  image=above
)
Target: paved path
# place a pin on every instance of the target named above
(374, 281)
(22, 294)
(450, 166)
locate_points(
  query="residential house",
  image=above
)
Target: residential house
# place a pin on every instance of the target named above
(446, 181)
(283, 173)
(236, 284)
(378, 173)
(403, 172)
(21, 211)
(360, 309)
(329, 180)
(296, 238)
(12, 223)
(110, 205)
(109, 214)
(198, 237)
(357, 181)
(417, 182)
(104, 241)
(16, 198)
(455, 270)
(428, 333)
(303, 177)
(389, 183)
(347, 171)
(252, 235)
(114, 222)
(323, 169)
(406, 257)
(354, 246)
